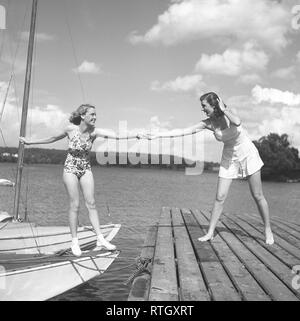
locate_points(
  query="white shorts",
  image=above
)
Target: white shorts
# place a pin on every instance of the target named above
(241, 168)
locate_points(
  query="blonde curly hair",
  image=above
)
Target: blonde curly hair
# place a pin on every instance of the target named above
(75, 117)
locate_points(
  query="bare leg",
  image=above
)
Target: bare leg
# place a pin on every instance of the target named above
(71, 184)
(262, 205)
(87, 186)
(222, 191)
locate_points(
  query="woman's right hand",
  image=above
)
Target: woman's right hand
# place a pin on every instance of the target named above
(24, 140)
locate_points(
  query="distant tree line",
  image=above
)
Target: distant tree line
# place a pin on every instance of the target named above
(55, 156)
(281, 160)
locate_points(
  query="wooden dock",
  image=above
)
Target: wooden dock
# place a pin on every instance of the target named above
(236, 265)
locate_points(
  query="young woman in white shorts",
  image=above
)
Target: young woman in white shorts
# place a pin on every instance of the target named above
(240, 158)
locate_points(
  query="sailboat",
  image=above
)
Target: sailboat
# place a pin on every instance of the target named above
(35, 261)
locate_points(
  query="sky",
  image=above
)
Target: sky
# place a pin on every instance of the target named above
(145, 63)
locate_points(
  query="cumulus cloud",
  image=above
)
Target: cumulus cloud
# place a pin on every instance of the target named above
(284, 73)
(250, 79)
(264, 21)
(234, 62)
(261, 118)
(272, 95)
(186, 84)
(156, 124)
(41, 121)
(284, 121)
(88, 68)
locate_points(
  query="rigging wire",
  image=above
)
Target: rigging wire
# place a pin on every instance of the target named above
(14, 58)
(73, 49)
(5, 98)
(1, 132)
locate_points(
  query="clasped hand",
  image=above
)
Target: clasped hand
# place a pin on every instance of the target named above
(23, 140)
(146, 136)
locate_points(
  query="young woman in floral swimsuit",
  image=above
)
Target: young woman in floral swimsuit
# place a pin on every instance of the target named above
(77, 169)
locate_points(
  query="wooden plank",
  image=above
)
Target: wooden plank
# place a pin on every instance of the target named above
(277, 251)
(191, 283)
(285, 232)
(287, 229)
(267, 280)
(164, 285)
(249, 289)
(217, 281)
(281, 270)
(277, 238)
(141, 284)
(292, 225)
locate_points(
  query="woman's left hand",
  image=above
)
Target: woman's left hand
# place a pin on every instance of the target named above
(221, 104)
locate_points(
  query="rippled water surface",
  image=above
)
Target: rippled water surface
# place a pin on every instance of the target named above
(134, 198)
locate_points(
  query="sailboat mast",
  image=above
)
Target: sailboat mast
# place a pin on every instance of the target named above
(25, 108)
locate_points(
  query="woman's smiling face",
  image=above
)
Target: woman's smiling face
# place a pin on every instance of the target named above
(207, 108)
(90, 117)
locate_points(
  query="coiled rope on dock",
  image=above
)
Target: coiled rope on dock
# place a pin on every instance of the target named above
(141, 266)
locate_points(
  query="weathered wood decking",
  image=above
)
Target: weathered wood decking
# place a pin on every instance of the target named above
(237, 265)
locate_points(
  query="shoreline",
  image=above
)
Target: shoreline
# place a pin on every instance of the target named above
(279, 179)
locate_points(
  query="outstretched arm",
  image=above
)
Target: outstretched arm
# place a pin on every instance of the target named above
(184, 132)
(107, 134)
(48, 140)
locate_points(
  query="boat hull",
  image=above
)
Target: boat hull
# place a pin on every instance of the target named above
(44, 281)
(27, 238)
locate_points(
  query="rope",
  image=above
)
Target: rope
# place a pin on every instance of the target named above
(141, 266)
(40, 257)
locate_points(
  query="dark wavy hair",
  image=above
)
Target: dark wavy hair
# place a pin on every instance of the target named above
(75, 117)
(212, 99)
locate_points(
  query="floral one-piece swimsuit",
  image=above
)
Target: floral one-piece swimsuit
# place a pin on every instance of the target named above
(77, 161)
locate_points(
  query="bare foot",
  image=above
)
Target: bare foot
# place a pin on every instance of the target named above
(206, 237)
(269, 236)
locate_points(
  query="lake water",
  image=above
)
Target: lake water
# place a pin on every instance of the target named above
(134, 198)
